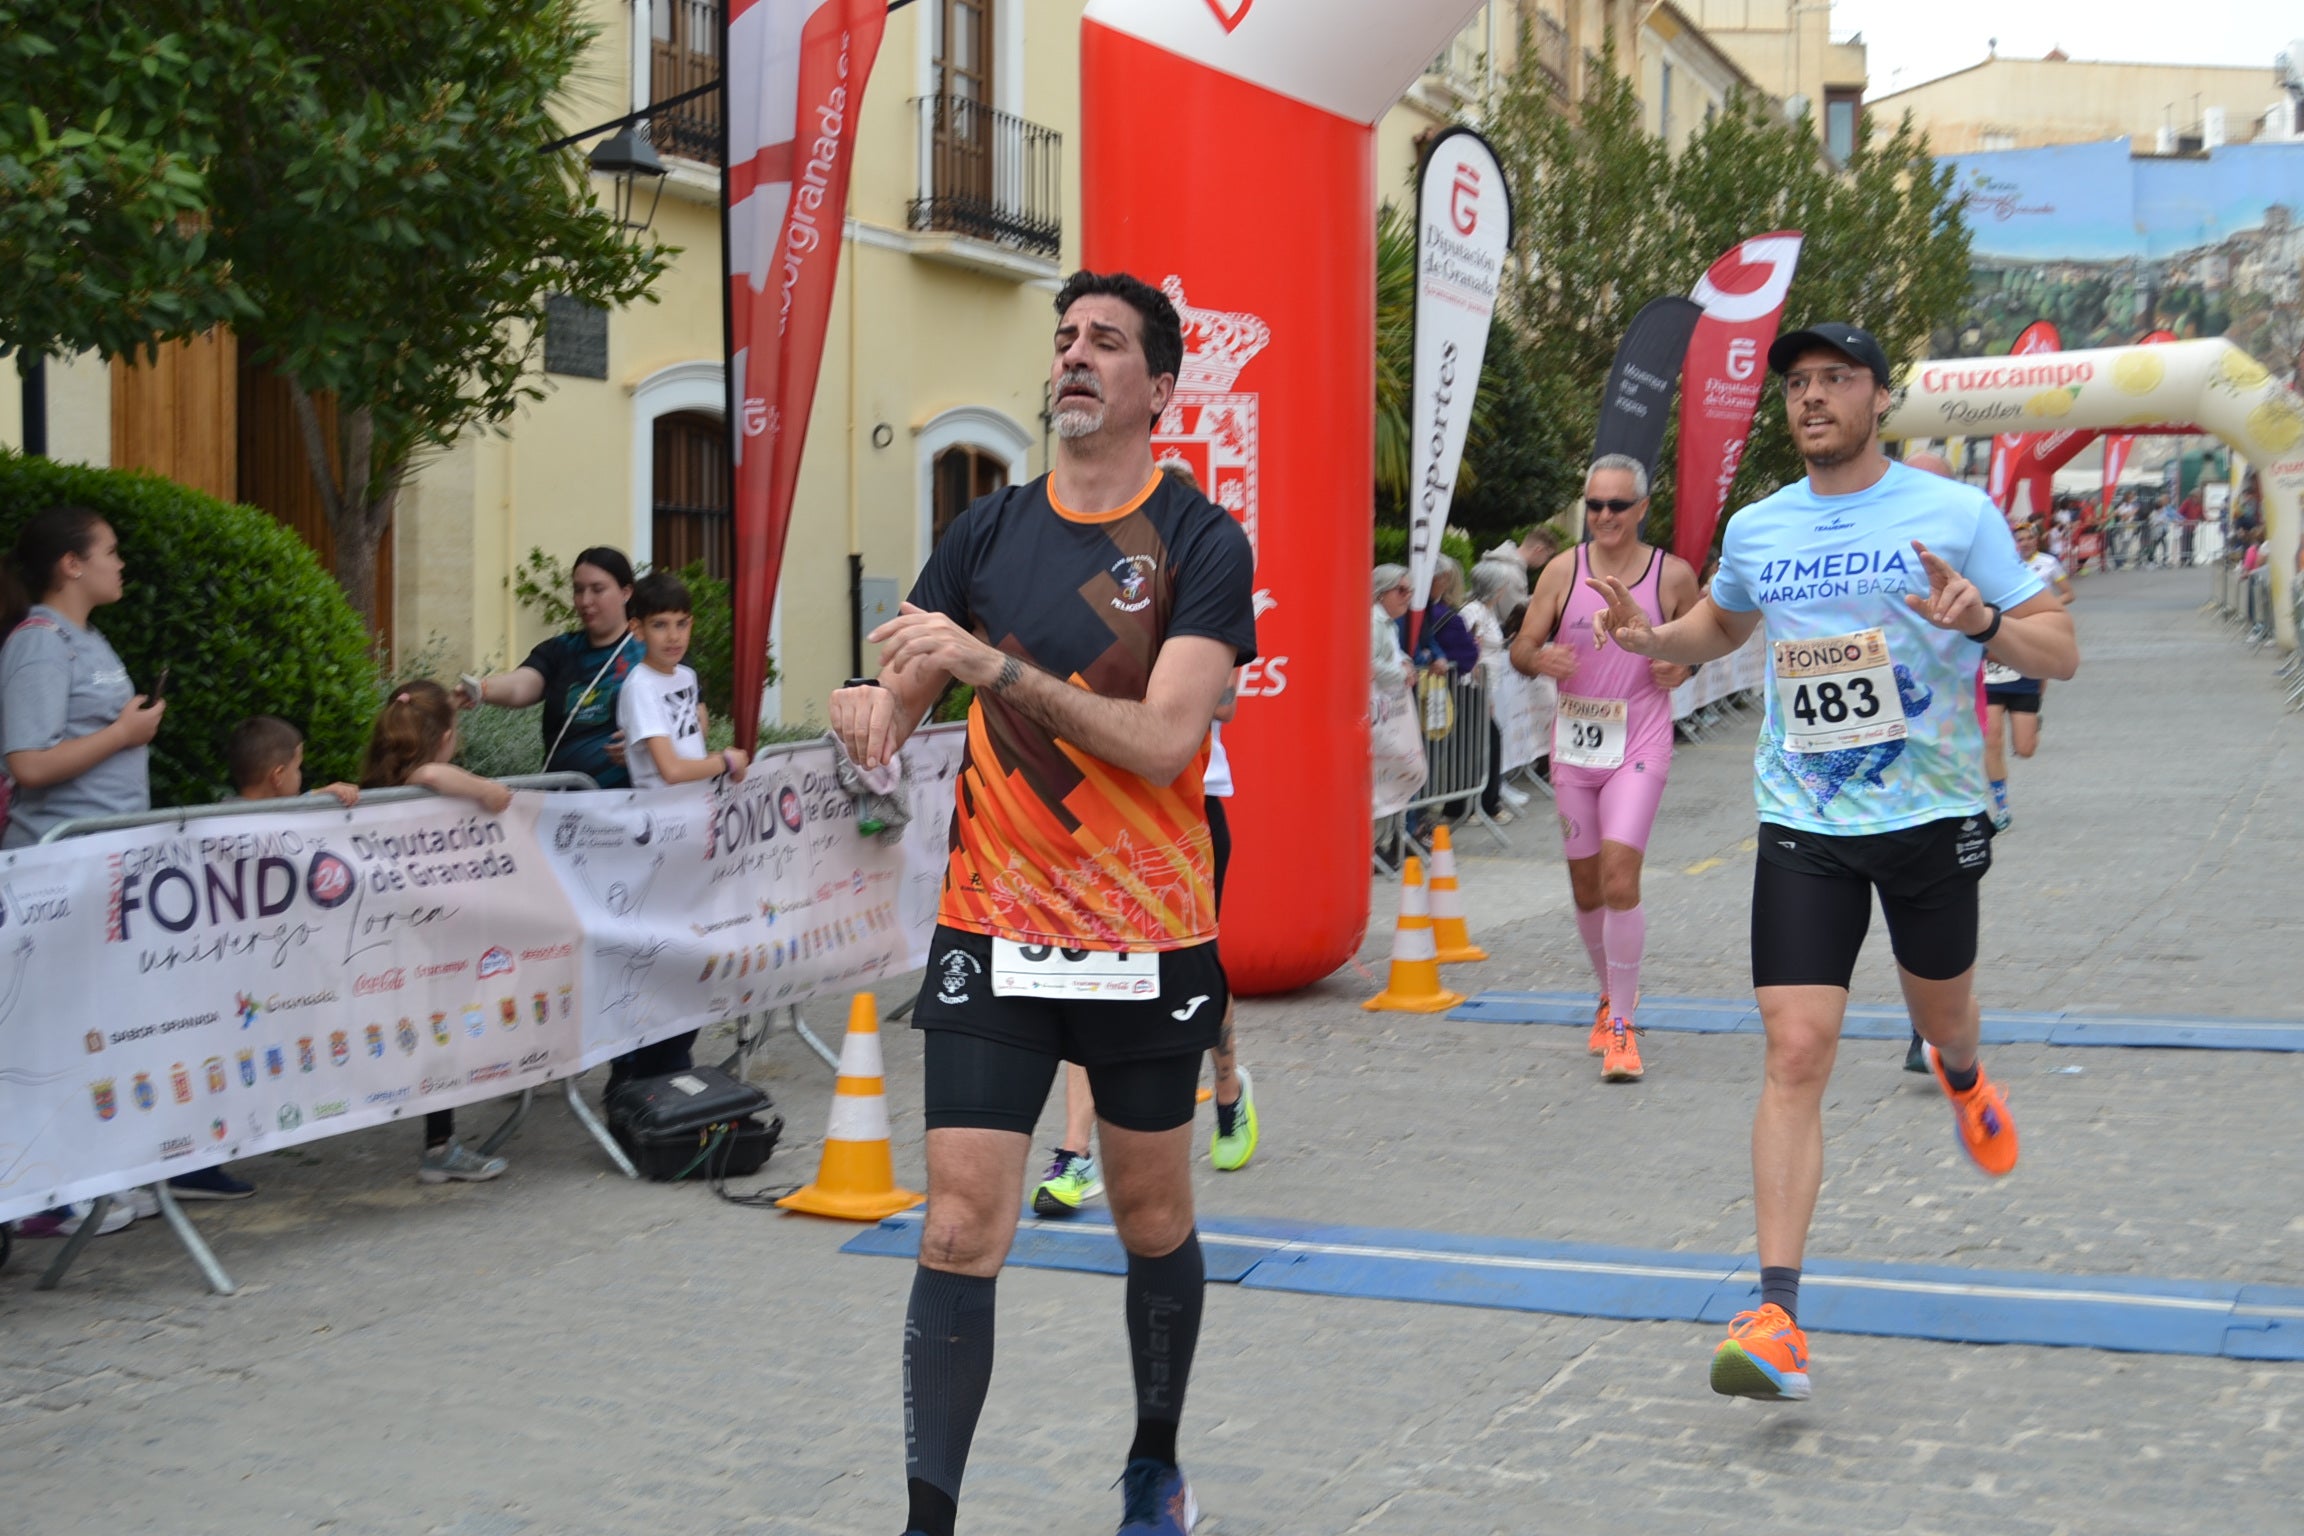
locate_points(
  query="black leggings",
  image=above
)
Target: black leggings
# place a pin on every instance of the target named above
(992, 1085)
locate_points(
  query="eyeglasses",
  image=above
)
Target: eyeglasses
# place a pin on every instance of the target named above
(1833, 379)
(1608, 504)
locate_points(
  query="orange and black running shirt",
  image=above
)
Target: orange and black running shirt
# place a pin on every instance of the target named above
(1050, 845)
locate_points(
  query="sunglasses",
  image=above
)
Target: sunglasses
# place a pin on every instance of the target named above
(1608, 504)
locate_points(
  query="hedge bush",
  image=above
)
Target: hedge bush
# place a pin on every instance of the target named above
(235, 605)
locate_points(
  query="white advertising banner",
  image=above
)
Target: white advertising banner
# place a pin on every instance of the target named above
(1740, 671)
(1524, 708)
(712, 900)
(181, 995)
(1463, 228)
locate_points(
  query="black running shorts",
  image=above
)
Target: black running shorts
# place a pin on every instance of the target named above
(1147, 1051)
(2022, 701)
(1812, 900)
(991, 1085)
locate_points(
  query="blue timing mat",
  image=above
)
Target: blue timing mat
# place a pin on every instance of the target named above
(1739, 1016)
(1905, 1301)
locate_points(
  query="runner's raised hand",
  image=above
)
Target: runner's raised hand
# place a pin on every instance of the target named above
(1952, 602)
(1623, 620)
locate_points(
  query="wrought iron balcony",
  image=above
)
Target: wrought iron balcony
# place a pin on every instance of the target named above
(989, 175)
(684, 53)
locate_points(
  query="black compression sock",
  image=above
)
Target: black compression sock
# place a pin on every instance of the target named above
(947, 1371)
(1780, 1286)
(932, 1514)
(1961, 1081)
(1164, 1299)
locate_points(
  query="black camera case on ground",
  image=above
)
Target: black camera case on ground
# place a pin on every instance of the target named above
(697, 1123)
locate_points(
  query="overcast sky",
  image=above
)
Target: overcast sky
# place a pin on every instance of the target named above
(1909, 42)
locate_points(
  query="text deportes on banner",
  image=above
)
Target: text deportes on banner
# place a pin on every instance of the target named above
(275, 978)
(795, 73)
(1238, 168)
(1463, 230)
(1636, 402)
(2000, 475)
(1723, 378)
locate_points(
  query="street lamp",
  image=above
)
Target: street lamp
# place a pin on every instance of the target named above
(628, 159)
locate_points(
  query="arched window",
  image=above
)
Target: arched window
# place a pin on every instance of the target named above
(689, 512)
(961, 475)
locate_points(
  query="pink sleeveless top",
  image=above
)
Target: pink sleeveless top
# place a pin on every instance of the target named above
(1613, 672)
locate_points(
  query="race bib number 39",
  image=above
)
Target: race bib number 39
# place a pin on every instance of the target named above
(1837, 692)
(1041, 970)
(1589, 733)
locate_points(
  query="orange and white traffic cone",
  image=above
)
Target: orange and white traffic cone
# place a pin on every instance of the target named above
(1453, 939)
(1415, 984)
(856, 1178)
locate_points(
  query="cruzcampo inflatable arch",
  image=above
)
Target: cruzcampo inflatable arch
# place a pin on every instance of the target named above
(2210, 382)
(1228, 154)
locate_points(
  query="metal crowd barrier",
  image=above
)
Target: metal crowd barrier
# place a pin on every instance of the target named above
(1456, 766)
(187, 1235)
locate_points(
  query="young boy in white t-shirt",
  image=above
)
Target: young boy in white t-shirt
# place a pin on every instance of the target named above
(660, 708)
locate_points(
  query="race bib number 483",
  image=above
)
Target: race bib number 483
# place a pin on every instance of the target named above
(1041, 970)
(1837, 692)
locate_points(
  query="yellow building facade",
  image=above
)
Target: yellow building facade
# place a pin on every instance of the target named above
(963, 219)
(2006, 103)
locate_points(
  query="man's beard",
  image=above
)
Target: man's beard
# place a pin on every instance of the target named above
(1834, 453)
(1075, 420)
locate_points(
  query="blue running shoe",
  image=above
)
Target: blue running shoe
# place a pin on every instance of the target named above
(1155, 1500)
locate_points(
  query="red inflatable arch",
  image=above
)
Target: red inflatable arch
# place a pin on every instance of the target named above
(1227, 152)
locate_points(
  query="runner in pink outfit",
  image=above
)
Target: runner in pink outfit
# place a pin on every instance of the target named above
(1612, 738)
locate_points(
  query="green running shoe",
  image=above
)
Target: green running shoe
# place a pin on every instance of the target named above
(1231, 1153)
(1071, 1182)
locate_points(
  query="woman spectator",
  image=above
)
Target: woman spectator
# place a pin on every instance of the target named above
(576, 676)
(413, 742)
(75, 733)
(1444, 643)
(1388, 666)
(1496, 591)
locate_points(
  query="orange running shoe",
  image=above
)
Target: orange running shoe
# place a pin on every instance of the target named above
(1622, 1063)
(1765, 1355)
(1598, 1042)
(1987, 1133)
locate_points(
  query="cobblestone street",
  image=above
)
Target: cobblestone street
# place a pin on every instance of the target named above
(563, 1352)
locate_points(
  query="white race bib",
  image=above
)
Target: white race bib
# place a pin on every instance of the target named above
(1589, 733)
(1041, 970)
(1998, 676)
(1836, 692)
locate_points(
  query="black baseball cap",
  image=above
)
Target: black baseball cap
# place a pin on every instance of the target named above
(1840, 336)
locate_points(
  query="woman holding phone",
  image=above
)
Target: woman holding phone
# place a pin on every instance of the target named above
(576, 676)
(74, 732)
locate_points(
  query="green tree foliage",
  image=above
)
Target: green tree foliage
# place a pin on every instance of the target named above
(1609, 219)
(108, 131)
(359, 187)
(233, 604)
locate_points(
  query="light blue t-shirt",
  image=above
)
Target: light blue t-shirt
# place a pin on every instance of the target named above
(1822, 566)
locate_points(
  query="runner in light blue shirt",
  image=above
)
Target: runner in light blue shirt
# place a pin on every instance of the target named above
(1815, 567)
(1881, 588)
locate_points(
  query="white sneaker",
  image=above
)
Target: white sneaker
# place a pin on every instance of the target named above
(1515, 798)
(119, 1214)
(456, 1161)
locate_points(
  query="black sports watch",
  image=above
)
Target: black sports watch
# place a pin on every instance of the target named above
(1984, 635)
